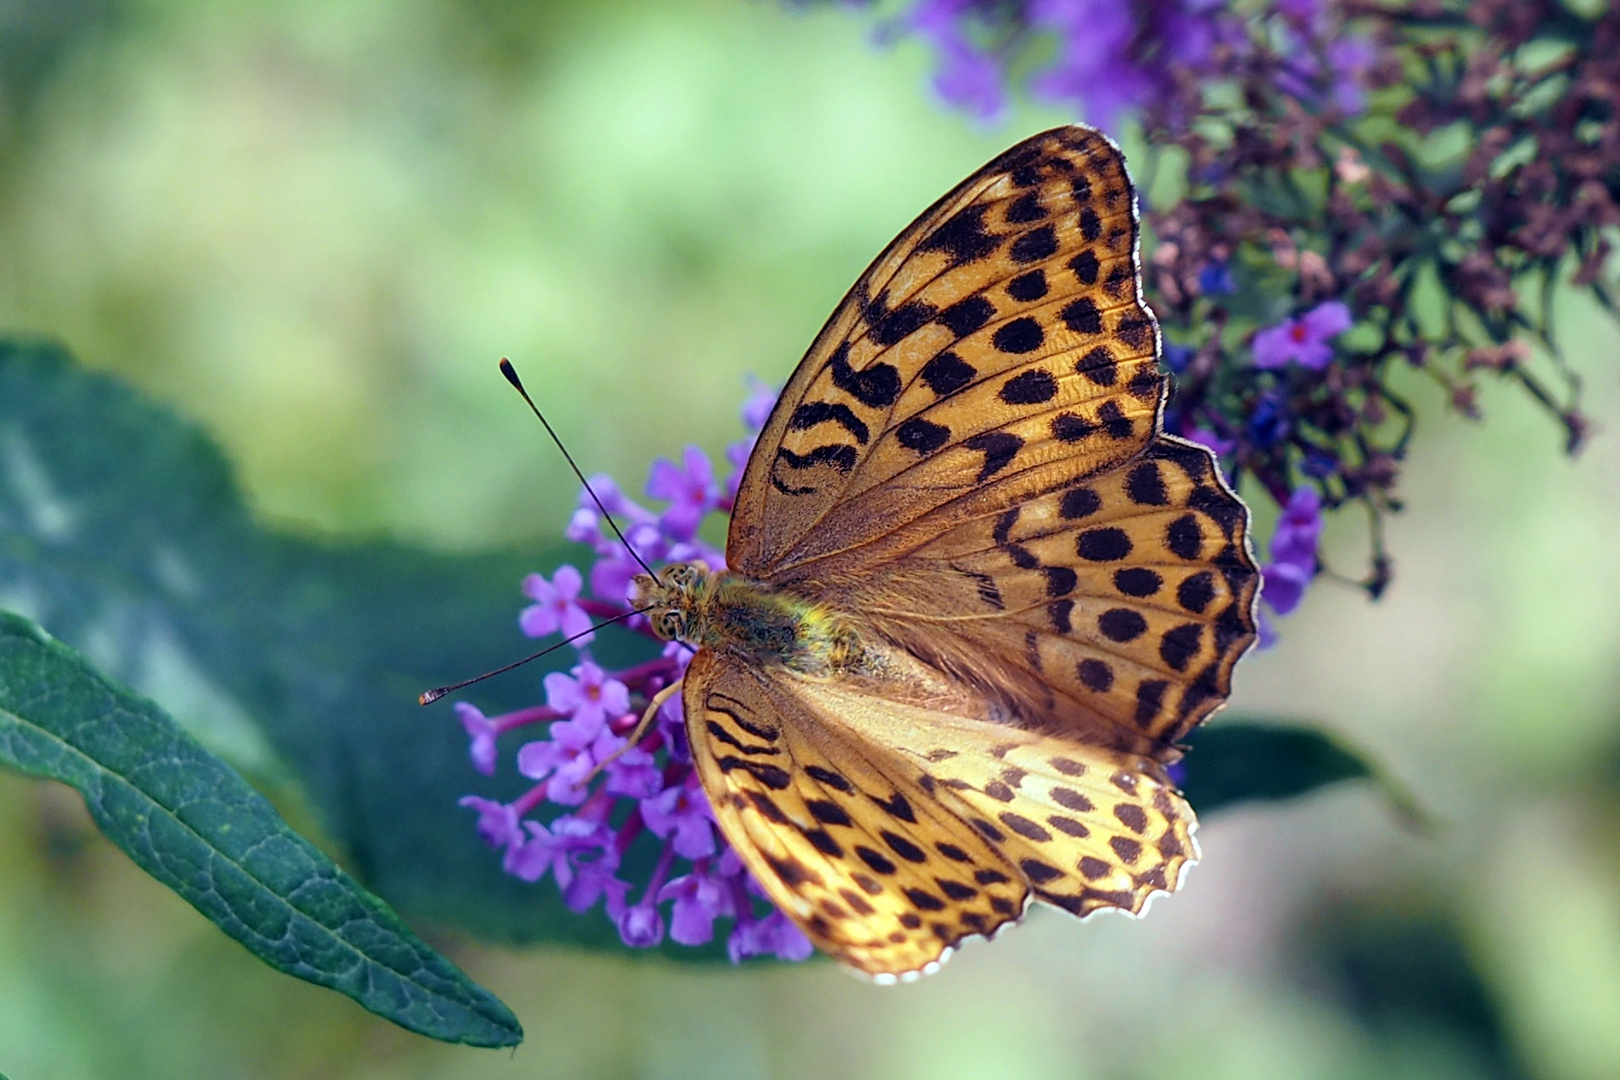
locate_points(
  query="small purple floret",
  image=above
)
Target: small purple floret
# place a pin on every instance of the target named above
(556, 605)
(482, 733)
(690, 491)
(1293, 552)
(1303, 340)
(682, 812)
(590, 697)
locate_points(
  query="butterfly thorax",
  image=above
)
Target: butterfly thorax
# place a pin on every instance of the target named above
(732, 613)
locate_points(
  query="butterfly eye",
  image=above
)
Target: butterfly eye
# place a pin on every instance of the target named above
(670, 625)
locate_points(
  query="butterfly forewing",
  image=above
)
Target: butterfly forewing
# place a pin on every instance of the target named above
(1114, 604)
(1001, 330)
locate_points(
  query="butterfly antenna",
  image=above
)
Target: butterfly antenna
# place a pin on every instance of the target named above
(512, 377)
(435, 694)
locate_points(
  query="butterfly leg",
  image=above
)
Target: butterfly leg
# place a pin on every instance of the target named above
(641, 727)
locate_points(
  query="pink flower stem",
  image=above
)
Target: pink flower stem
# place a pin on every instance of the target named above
(632, 828)
(660, 666)
(660, 872)
(533, 715)
(529, 800)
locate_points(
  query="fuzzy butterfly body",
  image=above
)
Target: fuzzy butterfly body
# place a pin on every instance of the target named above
(975, 592)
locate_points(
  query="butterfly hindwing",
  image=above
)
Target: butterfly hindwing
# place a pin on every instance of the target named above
(868, 864)
(1087, 826)
(1002, 331)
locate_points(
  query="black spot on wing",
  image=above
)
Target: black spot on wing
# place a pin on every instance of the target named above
(1096, 675)
(1082, 316)
(1099, 366)
(962, 236)
(1149, 700)
(1070, 428)
(1226, 511)
(1078, 503)
(1107, 544)
(840, 456)
(921, 435)
(1026, 208)
(826, 776)
(1029, 388)
(1138, 581)
(877, 387)
(1035, 245)
(966, 316)
(771, 776)
(1196, 592)
(1004, 524)
(1028, 287)
(1060, 580)
(998, 447)
(1184, 538)
(1021, 335)
(1135, 330)
(1145, 486)
(811, 413)
(1121, 624)
(947, 373)
(1180, 644)
(1084, 266)
(1090, 224)
(827, 812)
(897, 806)
(1114, 420)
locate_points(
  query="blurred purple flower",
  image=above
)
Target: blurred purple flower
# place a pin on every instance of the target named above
(1177, 357)
(690, 491)
(1094, 69)
(567, 760)
(699, 899)
(1293, 551)
(634, 774)
(497, 822)
(757, 406)
(1268, 423)
(774, 935)
(682, 811)
(641, 926)
(1206, 437)
(1215, 279)
(966, 75)
(538, 852)
(1302, 340)
(482, 733)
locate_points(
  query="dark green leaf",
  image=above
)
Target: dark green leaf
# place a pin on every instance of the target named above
(192, 823)
(123, 533)
(1236, 761)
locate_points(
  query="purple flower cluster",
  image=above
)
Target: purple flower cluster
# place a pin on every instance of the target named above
(1293, 557)
(1119, 57)
(611, 793)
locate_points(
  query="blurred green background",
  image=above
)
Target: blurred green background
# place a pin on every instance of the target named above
(314, 226)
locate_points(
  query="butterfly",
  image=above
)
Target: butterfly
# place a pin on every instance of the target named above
(975, 593)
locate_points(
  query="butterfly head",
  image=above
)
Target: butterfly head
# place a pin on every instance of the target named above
(676, 599)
